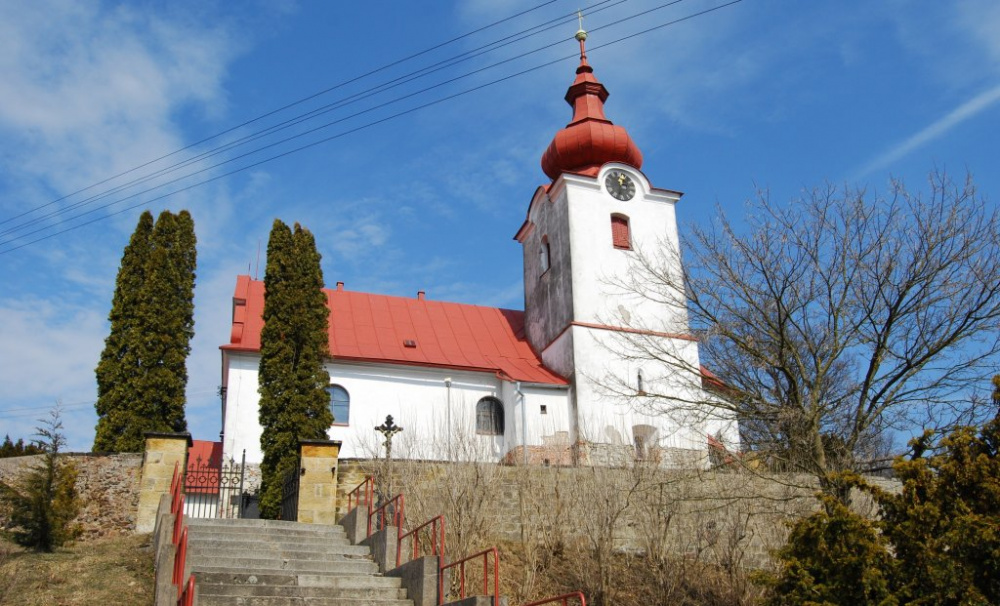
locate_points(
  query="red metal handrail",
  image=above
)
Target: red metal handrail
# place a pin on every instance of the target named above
(437, 540)
(354, 499)
(355, 496)
(380, 514)
(186, 598)
(461, 583)
(180, 559)
(176, 494)
(564, 599)
(178, 519)
(174, 483)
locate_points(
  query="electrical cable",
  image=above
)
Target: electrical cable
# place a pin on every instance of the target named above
(29, 411)
(287, 106)
(335, 136)
(371, 92)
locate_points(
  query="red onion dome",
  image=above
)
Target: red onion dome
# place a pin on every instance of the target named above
(590, 140)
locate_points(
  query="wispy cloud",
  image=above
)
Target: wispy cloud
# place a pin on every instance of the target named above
(935, 130)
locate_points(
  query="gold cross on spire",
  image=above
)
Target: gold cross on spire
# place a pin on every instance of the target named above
(581, 34)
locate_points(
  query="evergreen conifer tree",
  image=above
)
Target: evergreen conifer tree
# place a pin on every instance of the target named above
(116, 369)
(294, 403)
(42, 503)
(142, 374)
(944, 525)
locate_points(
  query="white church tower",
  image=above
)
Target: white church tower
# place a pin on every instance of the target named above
(581, 232)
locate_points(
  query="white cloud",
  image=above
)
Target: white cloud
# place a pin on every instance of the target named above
(87, 91)
(935, 130)
(63, 341)
(981, 18)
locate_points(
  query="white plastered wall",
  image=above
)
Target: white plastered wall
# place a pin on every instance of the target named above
(596, 263)
(435, 407)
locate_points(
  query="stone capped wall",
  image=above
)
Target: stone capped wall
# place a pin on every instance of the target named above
(108, 486)
(685, 511)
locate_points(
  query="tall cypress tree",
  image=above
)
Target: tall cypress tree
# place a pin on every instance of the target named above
(142, 374)
(167, 313)
(115, 386)
(294, 403)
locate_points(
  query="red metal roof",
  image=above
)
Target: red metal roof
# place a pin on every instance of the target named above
(203, 466)
(205, 454)
(375, 328)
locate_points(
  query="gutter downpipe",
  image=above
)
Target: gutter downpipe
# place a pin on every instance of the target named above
(524, 424)
(447, 384)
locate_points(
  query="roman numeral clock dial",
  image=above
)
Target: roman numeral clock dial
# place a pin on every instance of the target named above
(619, 185)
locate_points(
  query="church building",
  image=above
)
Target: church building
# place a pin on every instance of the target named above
(549, 385)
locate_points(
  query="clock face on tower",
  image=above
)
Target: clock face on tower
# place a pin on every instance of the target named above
(619, 185)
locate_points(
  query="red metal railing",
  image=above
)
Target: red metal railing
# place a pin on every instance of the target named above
(382, 512)
(436, 536)
(563, 599)
(461, 575)
(178, 511)
(363, 491)
(175, 480)
(186, 597)
(185, 591)
(180, 559)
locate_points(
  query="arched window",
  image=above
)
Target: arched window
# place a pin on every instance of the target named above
(620, 235)
(340, 404)
(489, 417)
(545, 255)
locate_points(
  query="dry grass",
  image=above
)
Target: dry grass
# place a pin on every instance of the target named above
(115, 571)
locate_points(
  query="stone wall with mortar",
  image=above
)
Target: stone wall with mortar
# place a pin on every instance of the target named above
(108, 486)
(688, 511)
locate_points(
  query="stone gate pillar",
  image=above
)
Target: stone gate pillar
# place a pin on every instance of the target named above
(163, 451)
(318, 483)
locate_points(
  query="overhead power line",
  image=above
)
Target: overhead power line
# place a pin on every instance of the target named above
(286, 107)
(9, 413)
(301, 118)
(354, 129)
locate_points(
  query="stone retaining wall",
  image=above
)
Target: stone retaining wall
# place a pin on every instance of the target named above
(108, 486)
(684, 511)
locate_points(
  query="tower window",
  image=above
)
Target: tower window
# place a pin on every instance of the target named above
(545, 255)
(489, 417)
(621, 237)
(340, 404)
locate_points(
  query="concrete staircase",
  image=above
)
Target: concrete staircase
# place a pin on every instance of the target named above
(274, 563)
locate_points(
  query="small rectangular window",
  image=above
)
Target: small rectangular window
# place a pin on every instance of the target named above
(620, 236)
(545, 409)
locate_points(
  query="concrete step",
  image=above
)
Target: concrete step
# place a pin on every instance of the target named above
(218, 600)
(285, 551)
(264, 527)
(379, 593)
(278, 563)
(270, 566)
(287, 579)
(240, 522)
(248, 538)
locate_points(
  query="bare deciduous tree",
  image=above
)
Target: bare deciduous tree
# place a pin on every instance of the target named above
(832, 322)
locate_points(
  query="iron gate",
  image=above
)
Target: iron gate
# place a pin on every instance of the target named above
(290, 494)
(214, 489)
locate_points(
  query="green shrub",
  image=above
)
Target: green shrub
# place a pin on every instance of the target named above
(42, 503)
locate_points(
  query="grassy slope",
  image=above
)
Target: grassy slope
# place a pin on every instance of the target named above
(106, 572)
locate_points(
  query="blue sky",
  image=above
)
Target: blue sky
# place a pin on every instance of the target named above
(782, 95)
